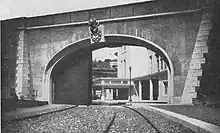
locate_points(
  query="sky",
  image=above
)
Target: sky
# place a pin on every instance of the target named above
(29, 8)
(104, 53)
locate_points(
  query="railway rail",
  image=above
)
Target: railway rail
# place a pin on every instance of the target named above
(142, 116)
(95, 118)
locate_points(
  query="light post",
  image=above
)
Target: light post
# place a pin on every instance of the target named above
(130, 86)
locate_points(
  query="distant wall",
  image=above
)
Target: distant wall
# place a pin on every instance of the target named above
(72, 79)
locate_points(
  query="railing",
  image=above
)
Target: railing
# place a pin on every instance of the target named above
(112, 82)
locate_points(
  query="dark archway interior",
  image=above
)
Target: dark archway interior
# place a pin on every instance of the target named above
(69, 78)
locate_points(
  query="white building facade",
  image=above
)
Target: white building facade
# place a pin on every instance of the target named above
(148, 72)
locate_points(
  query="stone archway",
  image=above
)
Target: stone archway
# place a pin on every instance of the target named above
(110, 39)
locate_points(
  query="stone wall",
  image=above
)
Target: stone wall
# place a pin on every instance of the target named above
(203, 80)
(128, 10)
(176, 34)
(9, 43)
(209, 90)
(192, 84)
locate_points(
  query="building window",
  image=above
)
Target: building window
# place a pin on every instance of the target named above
(125, 82)
(150, 64)
(125, 68)
(121, 69)
(158, 63)
(161, 65)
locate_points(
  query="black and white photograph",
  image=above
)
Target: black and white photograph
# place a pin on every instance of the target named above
(110, 66)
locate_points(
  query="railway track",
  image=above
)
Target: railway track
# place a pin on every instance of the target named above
(102, 119)
(142, 116)
(132, 110)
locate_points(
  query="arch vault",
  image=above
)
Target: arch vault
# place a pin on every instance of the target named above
(112, 40)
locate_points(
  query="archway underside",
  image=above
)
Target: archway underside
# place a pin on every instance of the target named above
(80, 72)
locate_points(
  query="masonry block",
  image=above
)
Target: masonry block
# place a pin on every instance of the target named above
(79, 16)
(206, 21)
(206, 26)
(207, 15)
(198, 60)
(190, 89)
(31, 22)
(200, 43)
(188, 97)
(193, 82)
(202, 37)
(62, 18)
(45, 20)
(122, 11)
(197, 55)
(145, 8)
(195, 65)
(166, 6)
(203, 33)
(195, 72)
(201, 49)
(100, 14)
(22, 75)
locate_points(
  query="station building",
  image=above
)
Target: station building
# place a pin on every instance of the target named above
(148, 72)
(149, 77)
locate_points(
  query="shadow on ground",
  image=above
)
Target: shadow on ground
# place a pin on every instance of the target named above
(12, 104)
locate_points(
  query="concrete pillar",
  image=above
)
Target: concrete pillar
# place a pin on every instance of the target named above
(117, 93)
(108, 93)
(161, 90)
(94, 93)
(151, 89)
(140, 90)
(103, 93)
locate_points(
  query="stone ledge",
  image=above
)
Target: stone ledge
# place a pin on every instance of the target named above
(194, 72)
(195, 65)
(194, 124)
(206, 21)
(202, 37)
(197, 55)
(200, 49)
(198, 60)
(203, 32)
(207, 15)
(200, 43)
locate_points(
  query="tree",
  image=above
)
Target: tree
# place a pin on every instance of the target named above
(107, 60)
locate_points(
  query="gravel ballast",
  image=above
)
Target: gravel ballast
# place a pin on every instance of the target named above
(96, 119)
(81, 119)
(127, 120)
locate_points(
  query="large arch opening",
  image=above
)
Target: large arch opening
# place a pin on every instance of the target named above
(83, 48)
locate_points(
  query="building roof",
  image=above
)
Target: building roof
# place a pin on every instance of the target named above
(156, 75)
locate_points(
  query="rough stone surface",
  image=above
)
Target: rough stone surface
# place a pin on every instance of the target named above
(195, 69)
(71, 80)
(45, 43)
